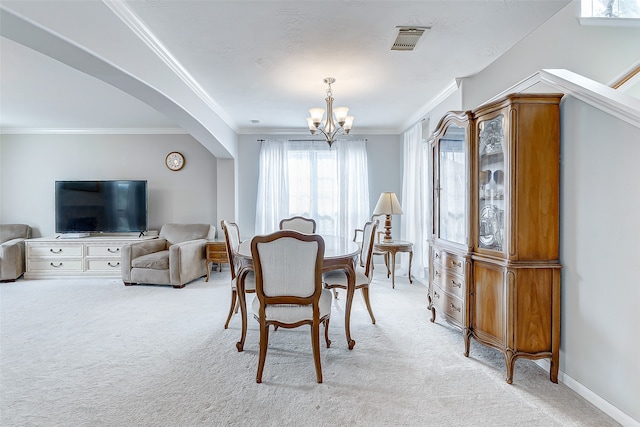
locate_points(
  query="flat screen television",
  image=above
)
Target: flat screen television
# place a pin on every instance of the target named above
(101, 206)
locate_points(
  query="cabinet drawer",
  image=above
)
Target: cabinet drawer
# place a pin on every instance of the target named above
(55, 250)
(449, 261)
(448, 281)
(103, 251)
(448, 304)
(103, 265)
(217, 252)
(50, 265)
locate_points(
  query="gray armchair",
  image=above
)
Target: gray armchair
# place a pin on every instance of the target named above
(175, 258)
(12, 259)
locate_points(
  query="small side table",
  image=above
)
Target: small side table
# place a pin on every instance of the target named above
(390, 249)
(216, 252)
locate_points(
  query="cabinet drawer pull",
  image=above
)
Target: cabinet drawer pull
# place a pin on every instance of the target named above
(56, 266)
(117, 264)
(113, 251)
(454, 284)
(436, 273)
(456, 263)
(436, 295)
(453, 307)
(437, 256)
(53, 251)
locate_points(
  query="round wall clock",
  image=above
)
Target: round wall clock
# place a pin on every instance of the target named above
(174, 161)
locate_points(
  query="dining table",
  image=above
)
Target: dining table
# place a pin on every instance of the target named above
(340, 253)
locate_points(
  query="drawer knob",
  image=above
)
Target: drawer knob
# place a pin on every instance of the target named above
(453, 307)
(110, 264)
(437, 256)
(456, 263)
(113, 251)
(436, 273)
(56, 266)
(436, 295)
(457, 285)
(54, 251)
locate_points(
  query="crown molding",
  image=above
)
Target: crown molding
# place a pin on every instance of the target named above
(92, 131)
(598, 95)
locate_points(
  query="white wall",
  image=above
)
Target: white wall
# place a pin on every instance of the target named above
(30, 164)
(597, 52)
(384, 154)
(600, 208)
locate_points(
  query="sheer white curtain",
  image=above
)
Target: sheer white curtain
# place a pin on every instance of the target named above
(273, 186)
(414, 200)
(310, 179)
(353, 181)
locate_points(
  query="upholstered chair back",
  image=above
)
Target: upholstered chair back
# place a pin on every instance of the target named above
(366, 256)
(289, 266)
(178, 233)
(14, 231)
(299, 223)
(232, 240)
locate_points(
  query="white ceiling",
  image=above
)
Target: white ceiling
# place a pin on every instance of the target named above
(266, 60)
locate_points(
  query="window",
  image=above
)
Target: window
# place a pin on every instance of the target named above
(611, 9)
(310, 179)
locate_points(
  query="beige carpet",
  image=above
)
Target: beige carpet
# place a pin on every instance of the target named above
(97, 353)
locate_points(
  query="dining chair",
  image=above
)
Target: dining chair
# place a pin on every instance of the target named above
(357, 237)
(289, 292)
(232, 239)
(299, 223)
(337, 279)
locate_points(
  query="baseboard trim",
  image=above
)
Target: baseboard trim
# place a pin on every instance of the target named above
(591, 397)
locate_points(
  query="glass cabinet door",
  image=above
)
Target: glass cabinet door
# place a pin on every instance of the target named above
(452, 185)
(491, 187)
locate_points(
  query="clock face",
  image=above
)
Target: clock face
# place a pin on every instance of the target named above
(174, 161)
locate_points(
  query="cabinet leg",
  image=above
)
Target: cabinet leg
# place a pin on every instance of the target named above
(467, 341)
(432, 308)
(510, 360)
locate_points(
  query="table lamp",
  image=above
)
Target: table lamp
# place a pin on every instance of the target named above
(387, 205)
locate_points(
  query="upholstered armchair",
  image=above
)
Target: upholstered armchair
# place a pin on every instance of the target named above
(12, 259)
(175, 258)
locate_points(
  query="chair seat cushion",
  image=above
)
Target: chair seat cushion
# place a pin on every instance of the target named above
(249, 282)
(339, 277)
(294, 313)
(155, 261)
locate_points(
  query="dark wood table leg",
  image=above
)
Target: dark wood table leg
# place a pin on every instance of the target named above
(351, 288)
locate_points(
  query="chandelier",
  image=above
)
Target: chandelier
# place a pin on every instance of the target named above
(340, 124)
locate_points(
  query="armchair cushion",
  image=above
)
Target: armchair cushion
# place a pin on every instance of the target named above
(156, 260)
(12, 256)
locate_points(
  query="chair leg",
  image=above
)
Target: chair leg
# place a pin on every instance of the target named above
(326, 332)
(264, 343)
(315, 344)
(234, 296)
(365, 294)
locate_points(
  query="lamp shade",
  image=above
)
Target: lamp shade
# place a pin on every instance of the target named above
(388, 204)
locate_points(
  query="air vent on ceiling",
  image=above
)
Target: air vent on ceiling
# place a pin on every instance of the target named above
(408, 37)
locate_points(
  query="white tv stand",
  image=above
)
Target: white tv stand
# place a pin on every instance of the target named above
(93, 256)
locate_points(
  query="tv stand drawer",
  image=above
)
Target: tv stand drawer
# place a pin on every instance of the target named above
(56, 250)
(108, 250)
(56, 265)
(107, 266)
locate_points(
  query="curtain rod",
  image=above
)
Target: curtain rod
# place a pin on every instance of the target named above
(305, 140)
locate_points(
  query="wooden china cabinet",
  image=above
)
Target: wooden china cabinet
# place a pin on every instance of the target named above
(512, 294)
